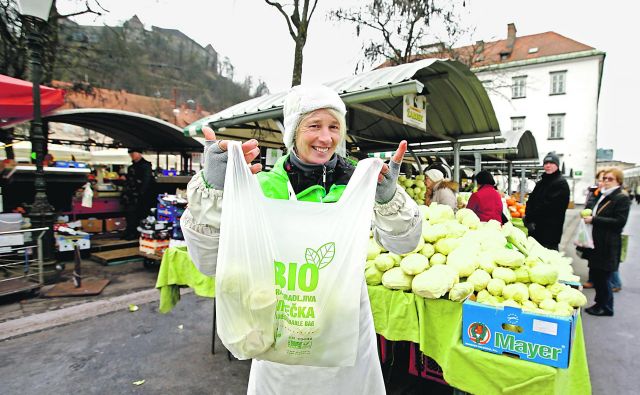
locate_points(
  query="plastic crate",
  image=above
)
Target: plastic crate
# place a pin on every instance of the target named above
(151, 246)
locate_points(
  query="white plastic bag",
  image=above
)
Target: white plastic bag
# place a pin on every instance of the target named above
(87, 196)
(289, 274)
(584, 236)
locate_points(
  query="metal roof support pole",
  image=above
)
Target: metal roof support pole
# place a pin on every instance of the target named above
(509, 178)
(456, 162)
(523, 184)
(417, 159)
(478, 165)
(478, 161)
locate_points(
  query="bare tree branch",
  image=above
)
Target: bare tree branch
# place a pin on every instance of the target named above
(88, 10)
(301, 24)
(403, 25)
(286, 17)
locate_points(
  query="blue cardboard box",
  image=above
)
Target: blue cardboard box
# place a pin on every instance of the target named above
(543, 339)
(70, 164)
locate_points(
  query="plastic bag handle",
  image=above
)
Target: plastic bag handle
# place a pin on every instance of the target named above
(364, 180)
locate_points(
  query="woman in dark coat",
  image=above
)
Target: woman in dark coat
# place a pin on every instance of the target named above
(610, 215)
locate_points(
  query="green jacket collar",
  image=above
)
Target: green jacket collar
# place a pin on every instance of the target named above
(274, 185)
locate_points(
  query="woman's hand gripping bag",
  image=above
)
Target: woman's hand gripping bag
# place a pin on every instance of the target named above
(315, 254)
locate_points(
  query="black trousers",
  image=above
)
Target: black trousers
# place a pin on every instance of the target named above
(134, 215)
(601, 283)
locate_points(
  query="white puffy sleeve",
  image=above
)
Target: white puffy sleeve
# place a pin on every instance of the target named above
(397, 224)
(200, 224)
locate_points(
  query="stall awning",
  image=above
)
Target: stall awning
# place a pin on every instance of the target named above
(517, 146)
(458, 107)
(22, 151)
(16, 100)
(130, 129)
(112, 156)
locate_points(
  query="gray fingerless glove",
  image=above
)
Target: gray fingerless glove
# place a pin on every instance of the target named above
(215, 164)
(387, 187)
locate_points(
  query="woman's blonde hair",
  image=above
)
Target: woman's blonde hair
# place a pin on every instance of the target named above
(339, 117)
(617, 173)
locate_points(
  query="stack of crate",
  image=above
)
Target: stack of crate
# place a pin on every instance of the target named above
(170, 209)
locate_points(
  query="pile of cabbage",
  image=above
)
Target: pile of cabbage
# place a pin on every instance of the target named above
(460, 257)
(415, 187)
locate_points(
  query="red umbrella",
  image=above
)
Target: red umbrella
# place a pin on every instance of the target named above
(16, 100)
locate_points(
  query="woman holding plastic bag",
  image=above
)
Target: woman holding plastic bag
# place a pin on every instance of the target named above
(609, 217)
(314, 170)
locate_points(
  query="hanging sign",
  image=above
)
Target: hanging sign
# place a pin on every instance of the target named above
(273, 154)
(414, 111)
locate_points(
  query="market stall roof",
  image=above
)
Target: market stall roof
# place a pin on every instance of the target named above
(111, 156)
(130, 129)
(458, 107)
(517, 146)
(22, 151)
(16, 100)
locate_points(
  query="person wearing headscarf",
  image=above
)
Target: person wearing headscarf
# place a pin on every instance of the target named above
(440, 190)
(315, 170)
(486, 201)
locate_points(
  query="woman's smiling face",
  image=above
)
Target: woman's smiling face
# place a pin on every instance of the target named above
(317, 137)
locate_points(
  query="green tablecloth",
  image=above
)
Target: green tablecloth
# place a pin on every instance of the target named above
(177, 270)
(437, 324)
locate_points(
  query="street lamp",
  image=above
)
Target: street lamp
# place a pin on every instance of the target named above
(35, 13)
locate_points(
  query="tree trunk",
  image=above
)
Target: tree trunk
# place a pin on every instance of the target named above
(296, 78)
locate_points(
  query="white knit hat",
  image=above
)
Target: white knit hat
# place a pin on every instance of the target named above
(435, 175)
(303, 99)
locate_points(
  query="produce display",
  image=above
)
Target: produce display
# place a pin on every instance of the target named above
(415, 187)
(516, 209)
(463, 198)
(459, 257)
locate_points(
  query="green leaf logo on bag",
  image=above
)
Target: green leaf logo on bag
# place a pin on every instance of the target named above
(323, 256)
(305, 277)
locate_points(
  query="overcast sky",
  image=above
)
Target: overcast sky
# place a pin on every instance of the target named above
(255, 38)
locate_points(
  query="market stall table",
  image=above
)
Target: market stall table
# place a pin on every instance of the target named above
(177, 271)
(435, 325)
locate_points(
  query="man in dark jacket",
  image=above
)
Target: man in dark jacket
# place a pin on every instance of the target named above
(136, 196)
(547, 204)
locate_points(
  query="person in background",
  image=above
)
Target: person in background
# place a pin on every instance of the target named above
(486, 201)
(592, 198)
(547, 204)
(440, 190)
(137, 194)
(610, 215)
(638, 194)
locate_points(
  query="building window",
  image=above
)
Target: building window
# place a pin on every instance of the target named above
(517, 124)
(519, 87)
(558, 82)
(556, 126)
